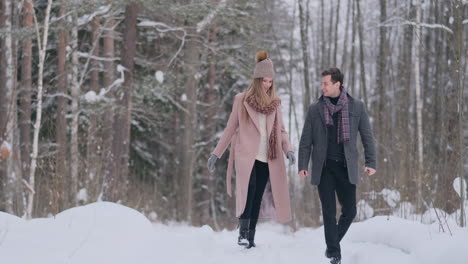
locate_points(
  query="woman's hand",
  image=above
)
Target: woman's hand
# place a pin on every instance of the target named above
(211, 162)
(291, 158)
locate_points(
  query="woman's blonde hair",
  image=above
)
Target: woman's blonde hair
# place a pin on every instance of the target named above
(263, 98)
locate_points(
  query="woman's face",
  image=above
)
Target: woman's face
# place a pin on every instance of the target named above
(266, 83)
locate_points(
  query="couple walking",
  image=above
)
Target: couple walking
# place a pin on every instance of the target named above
(256, 133)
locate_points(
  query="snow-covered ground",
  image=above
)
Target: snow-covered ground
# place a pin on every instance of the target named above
(111, 233)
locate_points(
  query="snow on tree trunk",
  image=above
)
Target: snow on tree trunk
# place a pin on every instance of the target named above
(93, 144)
(419, 103)
(305, 56)
(458, 68)
(123, 118)
(108, 76)
(25, 94)
(61, 173)
(11, 187)
(37, 124)
(75, 112)
(190, 120)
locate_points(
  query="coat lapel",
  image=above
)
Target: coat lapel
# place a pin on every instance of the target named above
(350, 105)
(322, 114)
(253, 115)
(270, 120)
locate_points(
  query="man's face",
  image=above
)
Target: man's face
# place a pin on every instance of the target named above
(329, 88)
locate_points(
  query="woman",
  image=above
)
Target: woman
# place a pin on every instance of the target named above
(257, 136)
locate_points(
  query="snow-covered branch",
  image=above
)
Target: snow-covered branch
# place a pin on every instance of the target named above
(207, 20)
(87, 18)
(398, 21)
(163, 28)
(86, 55)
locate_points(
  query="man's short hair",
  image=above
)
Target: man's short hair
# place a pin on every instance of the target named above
(336, 75)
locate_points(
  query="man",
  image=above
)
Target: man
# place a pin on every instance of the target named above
(329, 135)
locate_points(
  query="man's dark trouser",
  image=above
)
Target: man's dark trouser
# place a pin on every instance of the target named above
(334, 178)
(258, 180)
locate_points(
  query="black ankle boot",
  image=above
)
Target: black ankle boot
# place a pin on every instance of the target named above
(251, 238)
(243, 232)
(335, 260)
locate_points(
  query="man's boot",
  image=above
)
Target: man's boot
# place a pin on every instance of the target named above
(243, 232)
(251, 238)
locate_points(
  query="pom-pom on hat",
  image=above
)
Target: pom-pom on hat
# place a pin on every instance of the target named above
(264, 66)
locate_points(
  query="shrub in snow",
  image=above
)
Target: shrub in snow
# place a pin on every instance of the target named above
(392, 197)
(364, 210)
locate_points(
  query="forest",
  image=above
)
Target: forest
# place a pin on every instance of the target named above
(124, 101)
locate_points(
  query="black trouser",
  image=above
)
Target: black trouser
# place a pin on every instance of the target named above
(334, 178)
(258, 180)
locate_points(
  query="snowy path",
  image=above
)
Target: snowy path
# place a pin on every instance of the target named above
(274, 245)
(102, 233)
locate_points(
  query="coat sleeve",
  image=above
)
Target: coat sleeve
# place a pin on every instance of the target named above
(306, 143)
(231, 128)
(285, 144)
(367, 139)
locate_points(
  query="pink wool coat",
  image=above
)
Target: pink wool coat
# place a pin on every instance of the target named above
(244, 136)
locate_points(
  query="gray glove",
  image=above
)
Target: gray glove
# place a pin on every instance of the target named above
(291, 158)
(211, 162)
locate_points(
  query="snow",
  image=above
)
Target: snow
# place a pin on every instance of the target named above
(364, 210)
(82, 195)
(5, 149)
(159, 75)
(87, 18)
(111, 233)
(209, 18)
(392, 197)
(91, 97)
(95, 233)
(457, 187)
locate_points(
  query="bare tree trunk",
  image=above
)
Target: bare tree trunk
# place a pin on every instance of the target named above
(345, 47)
(213, 102)
(123, 118)
(59, 201)
(75, 113)
(190, 121)
(352, 66)
(93, 144)
(322, 34)
(417, 73)
(9, 133)
(330, 34)
(305, 56)
(380, 105)
(108, 134)
(403, 126)
(362, 74)
(42, 53)
(25, 93)
(335, 48)
(456, 114)
(3, 107)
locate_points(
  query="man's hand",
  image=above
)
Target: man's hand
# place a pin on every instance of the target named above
(303, 174)
(369, 171)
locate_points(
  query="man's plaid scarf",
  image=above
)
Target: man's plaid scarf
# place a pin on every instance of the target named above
(343, 115)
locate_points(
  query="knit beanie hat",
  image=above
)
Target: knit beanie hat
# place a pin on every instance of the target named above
(264, 66)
